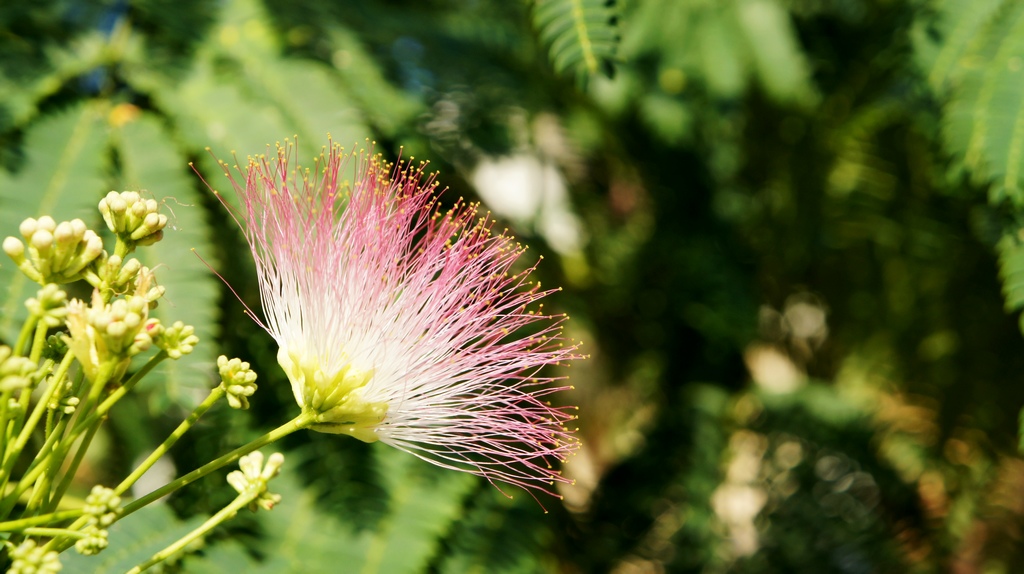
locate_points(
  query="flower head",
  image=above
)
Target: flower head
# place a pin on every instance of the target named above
(402, 322)
(103, 333)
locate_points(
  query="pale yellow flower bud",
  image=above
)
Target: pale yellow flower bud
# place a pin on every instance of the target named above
(102, 334)
(177, 340)
(238, 381)
(134, 219)
(49, 305)
(30, 558)
(254, 476)
(56, 253)
(15, 372)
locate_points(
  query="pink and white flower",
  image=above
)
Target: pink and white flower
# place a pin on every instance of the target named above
(402, 322)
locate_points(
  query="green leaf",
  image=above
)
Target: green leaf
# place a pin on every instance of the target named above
(21, 96)
(499, 535)
(984, 121)
(723, 54)
(63, 176)
(1020, 431)
(133, 540)
(243, 95)
(385, 105)
(726, 45)
(226, 556)
(955, 23)
(775, 50)
(582, 35)
(151, 163)
(1011, 272)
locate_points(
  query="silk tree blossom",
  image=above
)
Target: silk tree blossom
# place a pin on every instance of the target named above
(402, 322)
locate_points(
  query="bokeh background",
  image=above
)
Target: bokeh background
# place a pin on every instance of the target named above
(789, 234)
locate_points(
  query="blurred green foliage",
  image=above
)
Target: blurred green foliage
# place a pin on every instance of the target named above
(790, 234)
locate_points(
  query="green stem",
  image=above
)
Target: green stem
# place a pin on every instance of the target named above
(19, 445)
(280, 432)
(169, 442)
(50, 416)
(38, 342)
(52, 470)
(21, 524)
(39, 494)
(25, 398)
(26, 332)
(69, 475)
(115, 396)
(39, 464)
(42, 461)
(226, 513)
(122, 249)
(277, 434)
(5, 427)
(53, 532)
(95, 420)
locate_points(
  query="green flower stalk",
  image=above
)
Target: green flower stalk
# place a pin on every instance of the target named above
(251, 484)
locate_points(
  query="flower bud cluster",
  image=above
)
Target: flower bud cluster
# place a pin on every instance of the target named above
(67, 405)
(135, 220)
(103, 333)
(102, 506)
(253, 478)
(15, 372)
(119, 323)
(56, 253)
(95, 541)
(177, 340)
(238, 381)
(143, 280)
(30, 558)
(114, 274)
(49, 305)
(56, 347)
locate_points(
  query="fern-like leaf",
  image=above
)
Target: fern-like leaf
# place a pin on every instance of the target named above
(151, 163)
(63, 177)
(941, 39)
(581, 35)
(978, 63)
(302, 537)
(984, 121)
(242, 94)
(133, 541)
(1011, 272)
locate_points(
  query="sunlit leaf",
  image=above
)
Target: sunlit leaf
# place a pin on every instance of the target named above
(984, 123)
(63, 176)
(942, 38)
(151, 164)
(581, 34)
